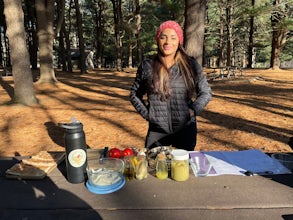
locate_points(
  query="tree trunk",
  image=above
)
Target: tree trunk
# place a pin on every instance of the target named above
(99, 31)
(62, 50)
(280, 12)
(221, 49)
(80, 37)
(130, 53)
(61, 14)
(31, 25)
(250, 44)
(138, 29)
(134, 25)
(118, 31)
(59, 31)
(45, 17)
(1, 50)
(194, 28)
(221, 34)
(67, 40)
(229, 33)
(22, 75)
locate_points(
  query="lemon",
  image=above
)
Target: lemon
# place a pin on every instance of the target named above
(134, 160)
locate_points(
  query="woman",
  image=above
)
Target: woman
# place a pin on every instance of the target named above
(176, 91)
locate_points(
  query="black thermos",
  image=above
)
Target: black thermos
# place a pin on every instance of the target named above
(75, 145)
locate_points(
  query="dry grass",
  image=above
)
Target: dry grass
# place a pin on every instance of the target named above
(252, 111)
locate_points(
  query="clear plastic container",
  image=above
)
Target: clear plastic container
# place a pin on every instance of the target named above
(104, 172)
(180, 165)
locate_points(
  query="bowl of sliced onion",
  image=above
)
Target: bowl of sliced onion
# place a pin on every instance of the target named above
(105, 172)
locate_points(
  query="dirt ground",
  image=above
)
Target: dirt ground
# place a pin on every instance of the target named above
(253, 111)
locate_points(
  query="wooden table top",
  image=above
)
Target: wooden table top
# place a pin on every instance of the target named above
(219, 197)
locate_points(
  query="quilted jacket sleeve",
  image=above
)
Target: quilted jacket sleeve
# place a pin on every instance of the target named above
(203, 90)
(137, 91)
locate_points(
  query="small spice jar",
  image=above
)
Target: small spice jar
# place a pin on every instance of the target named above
(141, 168)
(180, 165)
(161, 167)
(129, 172)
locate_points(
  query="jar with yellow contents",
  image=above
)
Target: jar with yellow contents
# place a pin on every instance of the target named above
(180, 165)
(161, 167)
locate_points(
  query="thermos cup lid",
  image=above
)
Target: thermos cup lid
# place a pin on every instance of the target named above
(71, 126)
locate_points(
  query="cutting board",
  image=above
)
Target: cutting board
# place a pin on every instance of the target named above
(38, 166)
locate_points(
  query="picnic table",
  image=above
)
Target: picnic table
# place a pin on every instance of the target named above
(225, 72)
(213, 197)
(4, 72)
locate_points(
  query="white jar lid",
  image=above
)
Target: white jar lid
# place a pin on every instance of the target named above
(180, 154)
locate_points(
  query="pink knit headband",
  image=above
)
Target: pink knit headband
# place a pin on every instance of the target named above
(172, 25)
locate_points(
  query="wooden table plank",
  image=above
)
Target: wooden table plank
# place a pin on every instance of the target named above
(220, 197)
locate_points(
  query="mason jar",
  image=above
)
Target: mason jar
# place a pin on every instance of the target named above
(180, 165)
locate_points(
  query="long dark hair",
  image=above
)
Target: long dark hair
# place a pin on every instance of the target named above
(161, 73)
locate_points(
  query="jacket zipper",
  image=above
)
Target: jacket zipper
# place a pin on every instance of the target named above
(169, 114)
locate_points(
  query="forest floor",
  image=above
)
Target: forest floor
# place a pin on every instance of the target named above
(253, 111)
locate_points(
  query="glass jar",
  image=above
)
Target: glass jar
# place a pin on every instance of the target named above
(161, 167)
(129, 172)
(180, 165)
(141, 168)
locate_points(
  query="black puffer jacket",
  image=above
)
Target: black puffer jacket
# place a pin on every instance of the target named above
(170, 115)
